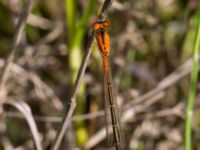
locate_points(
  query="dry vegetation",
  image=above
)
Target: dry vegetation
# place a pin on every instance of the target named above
(151, 42)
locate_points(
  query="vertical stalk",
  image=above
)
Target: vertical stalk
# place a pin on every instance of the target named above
(75, 30)
(192, 90)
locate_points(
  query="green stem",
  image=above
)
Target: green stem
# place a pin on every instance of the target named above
(76, 29)
(70, 19)
(192, 90)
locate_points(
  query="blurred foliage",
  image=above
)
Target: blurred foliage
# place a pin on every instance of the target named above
(17, 131)
(149, 40)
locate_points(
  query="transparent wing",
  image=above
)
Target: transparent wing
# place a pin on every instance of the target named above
(108, 122)
(111, 109)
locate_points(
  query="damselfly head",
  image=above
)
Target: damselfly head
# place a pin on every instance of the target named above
(101, 26)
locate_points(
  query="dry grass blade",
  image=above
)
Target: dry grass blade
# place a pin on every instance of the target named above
(16, 40)
(26, 111)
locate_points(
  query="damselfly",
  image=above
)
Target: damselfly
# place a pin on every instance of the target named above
(103, 41)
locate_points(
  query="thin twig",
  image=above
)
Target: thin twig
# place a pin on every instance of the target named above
(57, 119)
(16, 40)
(72, 100)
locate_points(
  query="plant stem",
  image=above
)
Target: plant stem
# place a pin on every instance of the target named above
(192, 90)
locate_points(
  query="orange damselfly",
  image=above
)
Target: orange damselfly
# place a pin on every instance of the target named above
(103, 42)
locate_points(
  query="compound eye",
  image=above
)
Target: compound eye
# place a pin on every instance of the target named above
(96, 26)
(106, 23)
